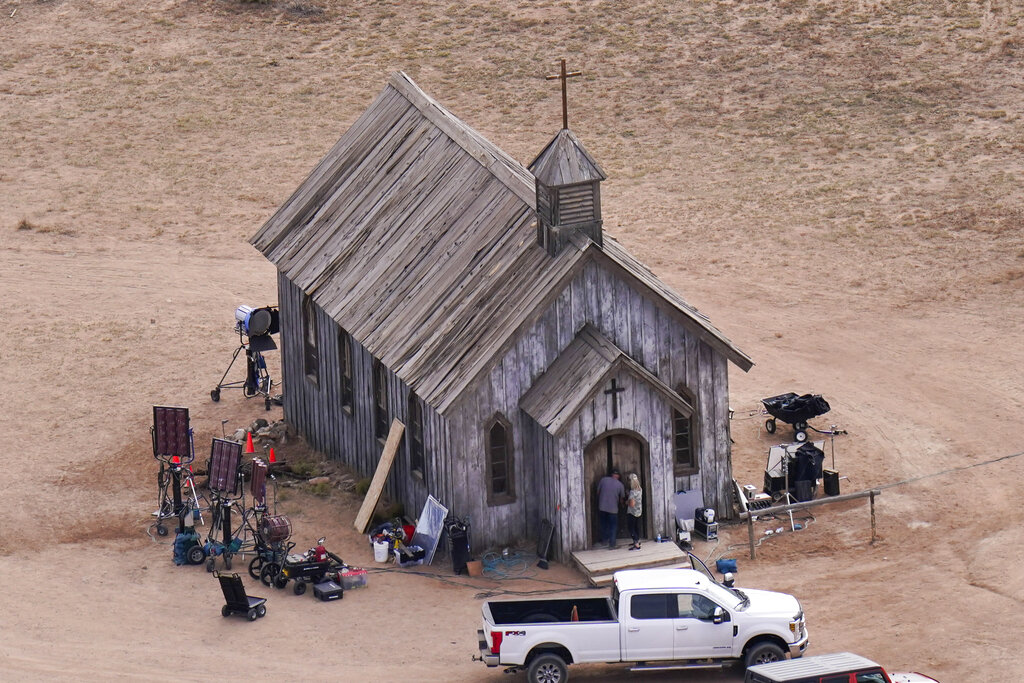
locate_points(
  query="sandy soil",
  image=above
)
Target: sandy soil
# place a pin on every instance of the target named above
(838, 185)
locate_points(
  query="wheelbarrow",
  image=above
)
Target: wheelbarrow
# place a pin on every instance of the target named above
(795, 410)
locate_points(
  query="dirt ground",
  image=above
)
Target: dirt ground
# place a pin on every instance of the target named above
(838, 185)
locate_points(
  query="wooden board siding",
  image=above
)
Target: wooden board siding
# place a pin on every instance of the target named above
(348, 436)
(642, 328)
(548, 471)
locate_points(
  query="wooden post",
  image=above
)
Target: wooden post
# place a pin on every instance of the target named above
(387, 457)
(750, 533)
(872, 499)
(790, 507)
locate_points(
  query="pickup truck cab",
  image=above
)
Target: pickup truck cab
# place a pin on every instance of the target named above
(841, 667)
(653, 619)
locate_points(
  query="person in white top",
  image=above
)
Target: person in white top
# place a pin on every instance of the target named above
(634, 508)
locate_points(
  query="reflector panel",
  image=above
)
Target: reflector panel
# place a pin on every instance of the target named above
(225, 457)
(171, 435)
(258, 483)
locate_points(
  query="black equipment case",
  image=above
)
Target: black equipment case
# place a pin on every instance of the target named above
(328, 590)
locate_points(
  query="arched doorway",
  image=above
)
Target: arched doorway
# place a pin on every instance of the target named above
(626, 451)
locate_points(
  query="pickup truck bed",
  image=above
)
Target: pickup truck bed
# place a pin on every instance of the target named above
(550, 611)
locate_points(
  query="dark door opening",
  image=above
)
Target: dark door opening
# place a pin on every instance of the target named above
(626, 452)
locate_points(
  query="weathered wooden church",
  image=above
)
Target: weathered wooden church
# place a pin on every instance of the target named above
(425, 275)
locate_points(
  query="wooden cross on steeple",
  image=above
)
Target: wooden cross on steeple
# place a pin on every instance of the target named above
(564, 76)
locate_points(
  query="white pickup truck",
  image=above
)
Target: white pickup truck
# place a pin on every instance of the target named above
(654, 619)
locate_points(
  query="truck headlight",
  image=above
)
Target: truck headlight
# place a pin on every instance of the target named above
(796, 625)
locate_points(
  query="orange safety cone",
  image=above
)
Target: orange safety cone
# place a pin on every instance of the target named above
(248, 443)
(272, 457)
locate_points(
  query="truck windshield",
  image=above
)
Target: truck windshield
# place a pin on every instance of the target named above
(737, 597)
(732, 598)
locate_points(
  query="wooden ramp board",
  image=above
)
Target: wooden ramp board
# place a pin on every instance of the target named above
(602, 563)
(387, 457)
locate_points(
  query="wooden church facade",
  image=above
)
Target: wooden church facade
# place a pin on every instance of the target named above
(425, 276)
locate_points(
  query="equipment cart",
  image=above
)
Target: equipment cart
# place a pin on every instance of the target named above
(235, 599)
(795, 410)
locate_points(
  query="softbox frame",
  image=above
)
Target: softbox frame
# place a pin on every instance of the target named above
(172, 436)
(258, 482)
(225, 458)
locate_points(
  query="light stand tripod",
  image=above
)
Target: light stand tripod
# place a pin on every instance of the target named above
(173, 447)
(257, 380)
(225, 480)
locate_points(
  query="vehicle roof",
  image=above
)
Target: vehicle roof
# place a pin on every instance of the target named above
(816, 665)
(632, 579)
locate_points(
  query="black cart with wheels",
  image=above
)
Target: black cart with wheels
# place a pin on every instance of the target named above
(795, 410)
(235, 599)
(310, 567)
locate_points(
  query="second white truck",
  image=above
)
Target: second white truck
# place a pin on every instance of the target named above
(653, 619)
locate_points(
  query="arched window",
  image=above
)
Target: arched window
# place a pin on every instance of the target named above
(500, 482)
(684, 438)
(417, 465)
(311, 353)
(345, 369)
(380, 400)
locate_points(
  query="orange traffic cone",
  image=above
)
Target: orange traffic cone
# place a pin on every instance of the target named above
(272, 457)
(248, 443)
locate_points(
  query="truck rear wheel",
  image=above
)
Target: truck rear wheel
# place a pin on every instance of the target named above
(547, 668)
(764, 653)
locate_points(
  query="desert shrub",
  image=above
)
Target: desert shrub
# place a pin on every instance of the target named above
(304, 469)
(321, 488)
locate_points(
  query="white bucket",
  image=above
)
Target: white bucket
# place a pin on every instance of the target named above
(380, 551)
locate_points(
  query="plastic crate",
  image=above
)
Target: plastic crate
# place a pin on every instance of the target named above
(352, 578)
(411, 556)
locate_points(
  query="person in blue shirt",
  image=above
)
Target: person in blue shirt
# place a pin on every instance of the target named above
(610, 496)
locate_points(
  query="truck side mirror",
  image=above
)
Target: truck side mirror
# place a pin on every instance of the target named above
(719, 615)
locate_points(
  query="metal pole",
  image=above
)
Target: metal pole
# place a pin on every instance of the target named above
(750, 533)
(176, 490)
(873, 536)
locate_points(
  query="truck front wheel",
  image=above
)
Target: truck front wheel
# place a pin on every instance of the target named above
(764, 653)
(547, 668)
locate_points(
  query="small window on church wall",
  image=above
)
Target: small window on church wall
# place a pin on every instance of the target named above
(311, 352)
(380, 400)
(683, 444)
(500, 489)
(415, 432)
(345, 369)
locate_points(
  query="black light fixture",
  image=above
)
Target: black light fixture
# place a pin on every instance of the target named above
(258, 324)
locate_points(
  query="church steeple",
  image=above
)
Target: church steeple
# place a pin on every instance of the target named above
(568, 186)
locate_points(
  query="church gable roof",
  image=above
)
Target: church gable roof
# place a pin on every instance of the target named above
(578, 374)
(416, 235)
